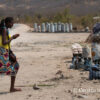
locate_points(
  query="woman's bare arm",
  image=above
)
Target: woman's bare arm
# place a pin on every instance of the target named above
(89, 38)
(4, 37)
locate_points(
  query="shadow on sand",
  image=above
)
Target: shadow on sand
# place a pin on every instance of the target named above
(2, 93)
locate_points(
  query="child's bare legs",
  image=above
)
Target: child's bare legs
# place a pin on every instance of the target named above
(12, 89)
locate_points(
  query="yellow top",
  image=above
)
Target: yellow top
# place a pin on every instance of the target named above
(4, 46)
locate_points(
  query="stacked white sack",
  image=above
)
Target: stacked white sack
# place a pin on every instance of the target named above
(76, 48)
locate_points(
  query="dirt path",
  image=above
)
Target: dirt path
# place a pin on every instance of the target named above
(44, 60)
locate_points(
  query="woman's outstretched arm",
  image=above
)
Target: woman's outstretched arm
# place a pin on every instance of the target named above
(4, 37)
(89, 39)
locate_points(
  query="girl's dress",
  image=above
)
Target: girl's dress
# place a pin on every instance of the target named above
(7, 67)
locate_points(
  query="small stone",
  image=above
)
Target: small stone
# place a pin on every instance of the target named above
(29, 95)
(79, 96)
(56, 98)
(69, 91)
(35, 87)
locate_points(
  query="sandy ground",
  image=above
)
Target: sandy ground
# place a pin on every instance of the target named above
(44, 60)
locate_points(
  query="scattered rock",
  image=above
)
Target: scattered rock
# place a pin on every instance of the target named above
(35, 87)
(81, 73)
(69, 91)
(79, 96)
(83, 78)
(98, 98)
(29, 95)
(59, 72)
(57, 98)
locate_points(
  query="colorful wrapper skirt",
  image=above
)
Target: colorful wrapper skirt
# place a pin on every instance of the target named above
(6, 66)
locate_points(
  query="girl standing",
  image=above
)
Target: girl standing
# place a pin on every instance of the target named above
(8, 61)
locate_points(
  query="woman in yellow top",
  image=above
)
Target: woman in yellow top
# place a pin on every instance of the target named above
(8, 61)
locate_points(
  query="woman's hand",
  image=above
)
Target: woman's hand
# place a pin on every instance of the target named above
(15, 36)
(89, 39)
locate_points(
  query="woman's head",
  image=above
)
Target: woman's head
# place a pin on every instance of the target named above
(9, 22)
